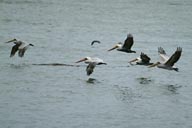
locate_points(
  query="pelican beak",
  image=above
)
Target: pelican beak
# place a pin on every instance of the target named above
(81, 60)
(11, 40)
(153, 65)
(113, 48)
(133, 60)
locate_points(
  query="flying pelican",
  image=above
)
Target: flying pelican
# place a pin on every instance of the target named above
(168, 62)
(90, 68)
(126, 47)
(95, 41)
(142, 60)
(88, 60)
(19, 46)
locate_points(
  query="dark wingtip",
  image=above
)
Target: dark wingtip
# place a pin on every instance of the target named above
(129, 35)
(176, 69)
(31, 44)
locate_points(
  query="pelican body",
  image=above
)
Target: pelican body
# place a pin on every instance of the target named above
(19, 46)
(95, 60)
(168, 62)
(126, 47)
(142, 60)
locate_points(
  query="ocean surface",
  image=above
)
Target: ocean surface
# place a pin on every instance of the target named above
(116, 95)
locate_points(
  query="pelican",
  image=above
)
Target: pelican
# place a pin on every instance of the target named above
(90, 68)
(126, 47)
(19, 46)
(142, 60)
(95, 41)
(168, 62)
(88, 60)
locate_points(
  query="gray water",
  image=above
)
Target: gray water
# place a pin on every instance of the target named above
(116, 95)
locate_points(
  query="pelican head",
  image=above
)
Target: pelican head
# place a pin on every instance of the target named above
(83, 59)
(13, 40)
(118, 45)
(135, 60)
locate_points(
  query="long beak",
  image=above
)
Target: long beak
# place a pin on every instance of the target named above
(81, 60)
(113, 48)
(153, 65)
(133, 60)
(11, 40)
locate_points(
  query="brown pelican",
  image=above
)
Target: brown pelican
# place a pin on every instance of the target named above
(142, 60)
(90, 68)
(168, 62)
(88, 60)
(126, 47)
(95, 41)
(19, 46)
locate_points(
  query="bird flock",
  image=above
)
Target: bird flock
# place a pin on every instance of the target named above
(166, 62)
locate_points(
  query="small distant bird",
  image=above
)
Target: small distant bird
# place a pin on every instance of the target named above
(144, 59)
(95, 41)
(88, 60)
(19, 46)
(90, 68)
(126, 47)
(168, 62)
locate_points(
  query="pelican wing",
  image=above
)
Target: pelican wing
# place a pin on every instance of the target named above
(128, 43)
(175, 57)
(163, 54)
(161, 50)
(22, 51)
(145, 58)
(14, 50)
(90, 68)
(95, 41)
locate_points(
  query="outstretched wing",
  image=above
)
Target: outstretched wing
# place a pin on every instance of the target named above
(162, 54)
(145, 58)
(128, 43)
(22, 52)
(175, 57)
(95, 41)
(14, 50)
(90, 68)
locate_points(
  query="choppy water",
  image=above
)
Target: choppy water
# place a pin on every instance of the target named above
(116, 95)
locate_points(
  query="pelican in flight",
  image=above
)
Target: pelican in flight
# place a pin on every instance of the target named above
(126, 47)
(19, 46)
(144, 59)
(168, 62)
(90, 68)
(95, 41)
(88, 60)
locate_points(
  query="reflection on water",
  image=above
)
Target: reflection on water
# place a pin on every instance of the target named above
(126, 94)
(144, 80)
(19, 66)
(171, 89)
(92, 81)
